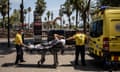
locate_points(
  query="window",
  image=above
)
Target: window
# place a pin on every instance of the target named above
(118, 27)
(96, 29)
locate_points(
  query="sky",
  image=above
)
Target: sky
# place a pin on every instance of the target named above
(52, 5)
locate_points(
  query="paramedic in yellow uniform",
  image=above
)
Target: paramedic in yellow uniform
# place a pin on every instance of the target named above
(19, 44)
(79, 38)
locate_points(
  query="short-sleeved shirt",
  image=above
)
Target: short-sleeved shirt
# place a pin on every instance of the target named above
(18, 39)
(62, 41)
(79, 39)
(58, 41)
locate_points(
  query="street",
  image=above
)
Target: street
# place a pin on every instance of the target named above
(7, 58)
(56, 31)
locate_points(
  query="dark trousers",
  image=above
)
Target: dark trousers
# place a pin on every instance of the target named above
(19, 52)
(55, 56)
(80, 50)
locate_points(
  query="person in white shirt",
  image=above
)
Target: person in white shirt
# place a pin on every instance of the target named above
(58, 40)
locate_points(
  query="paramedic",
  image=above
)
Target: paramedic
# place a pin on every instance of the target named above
(79, 38)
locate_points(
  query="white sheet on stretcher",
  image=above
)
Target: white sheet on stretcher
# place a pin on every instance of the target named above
(37, 46)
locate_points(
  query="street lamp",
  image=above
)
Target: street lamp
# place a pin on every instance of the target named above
(61, 13)
(21, 14)
(22, 18)
(8, 24)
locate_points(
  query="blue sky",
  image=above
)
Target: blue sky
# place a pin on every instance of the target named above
(52, 5)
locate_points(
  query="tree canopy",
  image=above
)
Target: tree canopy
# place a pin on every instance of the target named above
(40, 7)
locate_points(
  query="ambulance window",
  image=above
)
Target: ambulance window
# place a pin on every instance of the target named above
(117, 27)
(96, 28)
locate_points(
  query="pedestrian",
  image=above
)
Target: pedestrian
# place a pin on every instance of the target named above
(19, 44)
(61, 39)
(79, 38)
(58, 41)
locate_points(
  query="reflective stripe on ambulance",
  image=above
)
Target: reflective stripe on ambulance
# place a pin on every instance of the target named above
(115, 58)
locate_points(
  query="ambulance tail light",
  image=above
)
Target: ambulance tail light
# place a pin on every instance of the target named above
(106, 44)
(115, 58)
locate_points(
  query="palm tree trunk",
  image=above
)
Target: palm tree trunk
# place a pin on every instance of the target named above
(3, 24)
(84, 22)
(69, 22)
(29, 21)
(61, 25)
(76, 17)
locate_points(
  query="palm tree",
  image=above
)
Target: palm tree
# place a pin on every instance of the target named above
(61, 15)
(68, 11)
(73, 18)
(25, 12)
(40, 7)
(48, 15)
(29, 10)
(81, 6)
(4, 10)
(45, 26)
(85, 13)
(75, 6)
(51, 15)
(15, 17)
(45, 19)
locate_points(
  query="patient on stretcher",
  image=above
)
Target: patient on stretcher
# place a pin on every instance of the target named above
(50, 44)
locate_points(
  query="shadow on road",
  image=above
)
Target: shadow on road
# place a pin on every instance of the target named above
(48, 66)
(5, 50)
(92, 65)
(7, 65)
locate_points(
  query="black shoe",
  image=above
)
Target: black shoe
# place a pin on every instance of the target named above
(22, 61)
(62, 52)
(16, 63)
(84, 64)
(76, 64)
(42, 60)
(55, 65)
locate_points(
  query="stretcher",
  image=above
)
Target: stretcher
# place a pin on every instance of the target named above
(44, 48)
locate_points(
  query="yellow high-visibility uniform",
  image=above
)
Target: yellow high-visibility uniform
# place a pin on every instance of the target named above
(79, 39)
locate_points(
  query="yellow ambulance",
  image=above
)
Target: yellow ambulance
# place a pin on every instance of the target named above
(104, 36)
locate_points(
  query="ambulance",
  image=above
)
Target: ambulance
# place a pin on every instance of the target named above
(104, 36)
